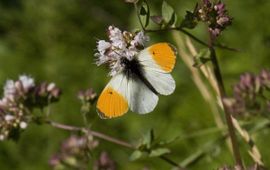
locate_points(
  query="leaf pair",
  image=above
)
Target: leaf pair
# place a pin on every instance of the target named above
(201, 58)
(167, 18)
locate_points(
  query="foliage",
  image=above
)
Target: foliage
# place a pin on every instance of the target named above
(56, 41)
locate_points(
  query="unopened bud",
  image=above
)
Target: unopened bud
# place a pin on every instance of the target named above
(19, 86)
(56, 92)
(23, 125)
(42, 89)
(222, 21)
(4, 103)
(55, 160)
(2, 137)
(50, 87)
(88, 95)
(27, 82)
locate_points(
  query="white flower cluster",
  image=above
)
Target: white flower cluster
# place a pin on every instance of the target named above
(11, 113)
(14, 89)
(19, 99)
(121, 44)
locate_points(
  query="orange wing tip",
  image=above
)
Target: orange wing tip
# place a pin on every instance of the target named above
(111, 104)
(164, 54)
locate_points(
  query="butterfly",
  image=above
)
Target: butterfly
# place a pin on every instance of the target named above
(138, 85)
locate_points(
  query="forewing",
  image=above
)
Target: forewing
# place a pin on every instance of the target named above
(140, 98)
(157, 62)
(160, 56)
(113, 101)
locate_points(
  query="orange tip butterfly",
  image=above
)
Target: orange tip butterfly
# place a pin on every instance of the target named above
(138, 85)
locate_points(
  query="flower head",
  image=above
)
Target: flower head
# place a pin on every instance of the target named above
(103, 46)
(16, 89)
(116, 37)
(46, 90)
(139, 40)
(88, 95)
(220, 8)
(20, 97)
(73, 152)
(27, 82)
(121, 44)
(104, 162)
(87, 98)
(250, 95)
(215, 15)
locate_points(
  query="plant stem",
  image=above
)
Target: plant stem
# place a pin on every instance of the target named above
(91, 132)
(106, 138)
(166, 159)
(223, 94)
(189, 35)
(181, 30)
(178, 29)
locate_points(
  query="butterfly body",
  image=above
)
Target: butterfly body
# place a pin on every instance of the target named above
(134, 70)
(139, 82)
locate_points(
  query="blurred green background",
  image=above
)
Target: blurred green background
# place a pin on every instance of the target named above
(55, 40)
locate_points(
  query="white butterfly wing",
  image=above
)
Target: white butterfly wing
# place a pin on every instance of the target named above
(141, 99)
(123, 92)
(158, 61)
(163, 83)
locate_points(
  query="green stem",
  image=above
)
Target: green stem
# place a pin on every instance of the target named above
(189, 35)
(91, 132)
(223, 95)
(166, 159)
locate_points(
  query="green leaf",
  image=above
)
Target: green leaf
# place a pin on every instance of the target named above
(145, 13)
(202, 57)
(158, 152)
(167, 12)
(168, 141)
(148, 138)
(173, 20)
(135, 155)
